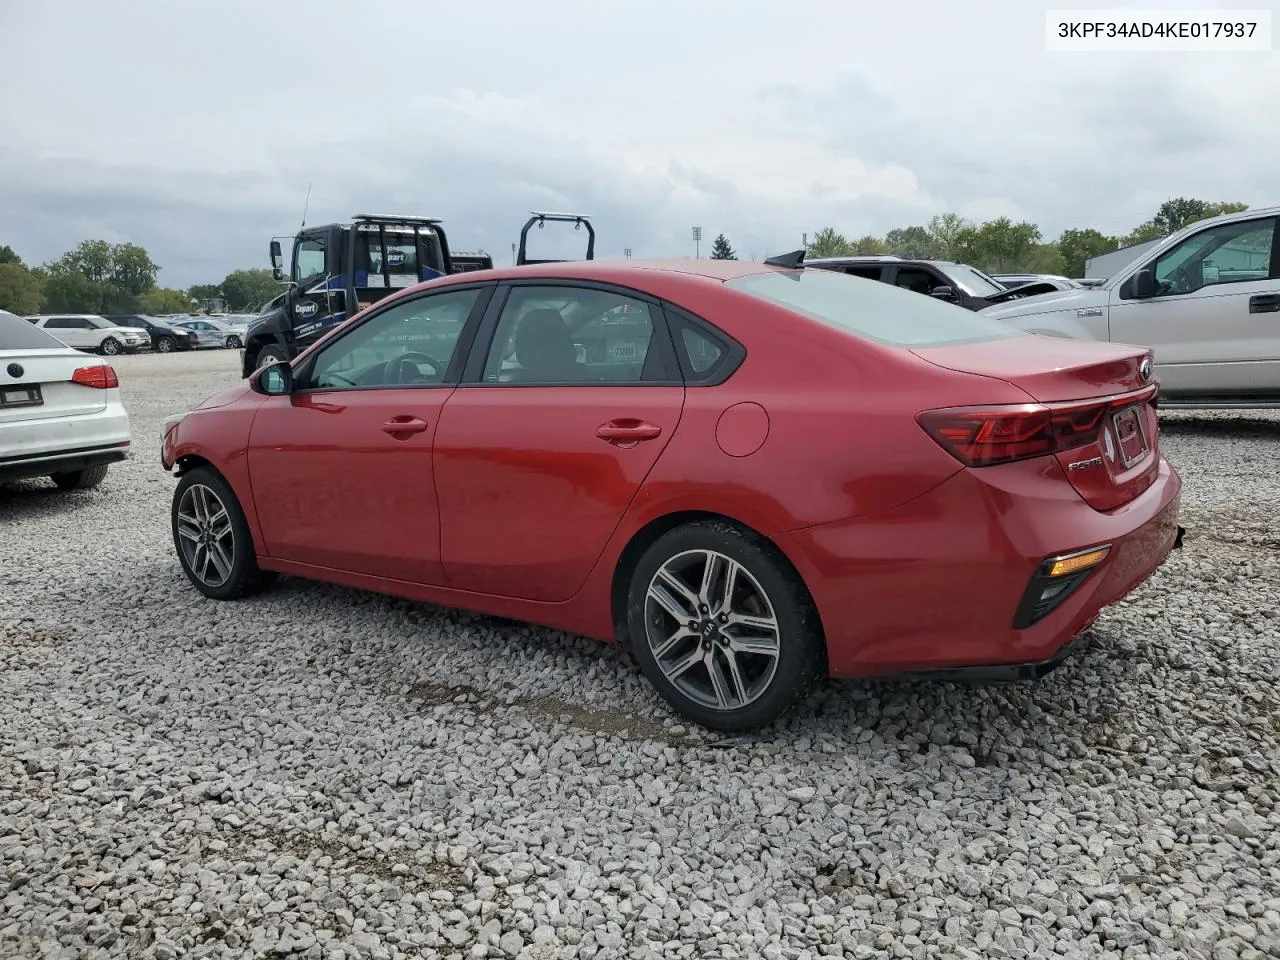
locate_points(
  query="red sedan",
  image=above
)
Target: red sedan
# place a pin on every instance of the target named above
(752, 475)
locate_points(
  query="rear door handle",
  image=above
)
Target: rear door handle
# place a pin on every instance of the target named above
(1265, 303)
(628, 432)
(406, 425)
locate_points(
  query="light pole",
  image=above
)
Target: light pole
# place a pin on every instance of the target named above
(626, 252)
(513, 254)
(697, 242)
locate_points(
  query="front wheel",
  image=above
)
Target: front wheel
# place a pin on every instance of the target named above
(110, 347)
(212, 538)
(233, 342)
(722, 626)
(269, 355)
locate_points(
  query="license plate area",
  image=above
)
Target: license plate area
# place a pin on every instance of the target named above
(27, 395)
(1131, 438)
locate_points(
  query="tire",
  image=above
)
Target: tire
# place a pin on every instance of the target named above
(233, 343)
(166, 345)
(80, 479)
(767, 684)
(110, 347)
(270, 354)
(209, 524)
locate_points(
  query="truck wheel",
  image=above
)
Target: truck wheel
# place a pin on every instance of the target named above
(269, 355)
(110, 347)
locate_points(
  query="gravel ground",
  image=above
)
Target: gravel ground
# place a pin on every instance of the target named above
(323, 773)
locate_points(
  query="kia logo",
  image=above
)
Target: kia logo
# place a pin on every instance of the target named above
(1144, 369)
(15, 370)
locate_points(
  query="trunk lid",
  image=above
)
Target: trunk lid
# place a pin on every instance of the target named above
(1101, 398)
(51, 370)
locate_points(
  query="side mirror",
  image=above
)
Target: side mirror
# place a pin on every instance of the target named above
(943, 293)
(1144, 284)
(277, 260)
(273, 380)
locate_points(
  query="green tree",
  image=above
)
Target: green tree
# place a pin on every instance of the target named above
(720, 249)
(20, 289)
(945, 231)
(7, 255)
(914, 243)
(828, 242)
(68, 291)
(998, 246)
(132, 270)
(1144, 232)
(1078, 245)
(205, 291)
(870, 246)
(243, 289)
(160, 301)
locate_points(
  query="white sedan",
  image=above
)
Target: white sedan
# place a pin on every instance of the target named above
(60, 411)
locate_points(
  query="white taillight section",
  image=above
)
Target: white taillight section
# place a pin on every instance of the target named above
(102, 377)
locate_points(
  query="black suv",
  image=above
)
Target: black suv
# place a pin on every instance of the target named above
(954, 282)
(164, 338)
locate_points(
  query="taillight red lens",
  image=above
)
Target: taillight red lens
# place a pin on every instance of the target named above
(983, 436)
(102, 377)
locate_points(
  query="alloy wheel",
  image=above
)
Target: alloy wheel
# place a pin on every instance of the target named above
(110, 347)
(712, 629)
(206, 536)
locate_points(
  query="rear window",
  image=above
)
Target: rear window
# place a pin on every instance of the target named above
(17, 334)
(872, 310)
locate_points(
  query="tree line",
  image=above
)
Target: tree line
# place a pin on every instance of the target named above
(117, 278)
(101, 277)
(1000, 245)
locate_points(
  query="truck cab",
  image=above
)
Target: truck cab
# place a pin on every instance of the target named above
(336, 270)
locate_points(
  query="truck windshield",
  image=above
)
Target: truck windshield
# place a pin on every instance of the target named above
(971, 281)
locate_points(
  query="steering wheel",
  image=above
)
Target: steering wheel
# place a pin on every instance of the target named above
(407, 363)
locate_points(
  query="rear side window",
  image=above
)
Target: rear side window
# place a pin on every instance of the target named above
(873, 311)
(17, 334)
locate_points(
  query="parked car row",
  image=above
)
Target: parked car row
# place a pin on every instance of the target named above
(114, 334)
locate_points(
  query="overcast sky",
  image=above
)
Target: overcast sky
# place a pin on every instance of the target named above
(193, 128)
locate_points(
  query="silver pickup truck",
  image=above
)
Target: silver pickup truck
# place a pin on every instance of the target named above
(1206, 300)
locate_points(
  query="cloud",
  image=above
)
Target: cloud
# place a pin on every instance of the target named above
(195, 129)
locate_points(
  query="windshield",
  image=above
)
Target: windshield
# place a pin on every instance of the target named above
(872, 310)
(18, 334)
(971, 281)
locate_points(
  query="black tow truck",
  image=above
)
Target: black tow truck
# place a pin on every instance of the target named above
(338, 269)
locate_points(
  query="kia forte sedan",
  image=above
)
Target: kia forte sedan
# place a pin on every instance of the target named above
(752, 475)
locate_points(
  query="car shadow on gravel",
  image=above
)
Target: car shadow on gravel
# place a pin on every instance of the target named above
(37, 499)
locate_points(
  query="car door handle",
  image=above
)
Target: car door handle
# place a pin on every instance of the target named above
(628, 431)
(404, 425)
(1265, 303)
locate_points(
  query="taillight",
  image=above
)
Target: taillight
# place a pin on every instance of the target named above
(983, 436)
(102, 377)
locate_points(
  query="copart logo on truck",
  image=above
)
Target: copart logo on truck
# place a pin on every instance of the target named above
(306, 309)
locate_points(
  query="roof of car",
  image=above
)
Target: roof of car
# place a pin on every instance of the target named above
(619, 270)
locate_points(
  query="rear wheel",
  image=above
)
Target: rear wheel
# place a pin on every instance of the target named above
(80, 479)
(165, 345)
(722, 626)
(212, 538)
(233, 342)
(110, 347)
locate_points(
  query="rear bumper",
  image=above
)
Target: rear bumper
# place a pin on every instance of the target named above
(935, 584)
(36, 448)
(64, 461)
